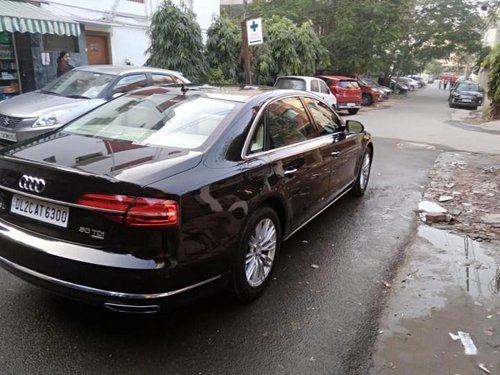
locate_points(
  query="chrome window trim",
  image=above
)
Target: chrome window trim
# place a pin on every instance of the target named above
(103, 292)
(245, 155)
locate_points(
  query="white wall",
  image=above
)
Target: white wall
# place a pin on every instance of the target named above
(128, 23)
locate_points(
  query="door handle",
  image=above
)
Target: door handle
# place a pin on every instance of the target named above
(335, 153)
(290, 172)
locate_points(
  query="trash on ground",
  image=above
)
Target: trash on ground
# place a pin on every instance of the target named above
(428, 206)
(445, 198)
(491, 219)
(470, 348)
(483, 367)
(315, 266)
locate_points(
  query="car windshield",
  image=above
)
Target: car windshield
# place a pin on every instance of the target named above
(349, 85)
(468, 86)
(290, 83)
(168, 120)
(79, 84)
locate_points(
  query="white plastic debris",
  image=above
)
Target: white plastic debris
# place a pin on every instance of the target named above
(483, 367)
(445, 198)
(470, 348)
(315, 266)
(428, 206)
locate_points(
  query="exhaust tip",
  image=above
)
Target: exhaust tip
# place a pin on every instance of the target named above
(132, 309)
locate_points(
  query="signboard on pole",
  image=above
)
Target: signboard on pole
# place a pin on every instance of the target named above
(254, 31)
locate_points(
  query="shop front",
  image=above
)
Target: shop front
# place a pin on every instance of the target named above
(30, 41)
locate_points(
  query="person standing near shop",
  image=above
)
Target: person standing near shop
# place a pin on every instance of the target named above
(63, 65)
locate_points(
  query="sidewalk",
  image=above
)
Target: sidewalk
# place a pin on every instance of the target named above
(450, 281)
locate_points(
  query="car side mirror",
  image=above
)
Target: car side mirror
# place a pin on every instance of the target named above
(354, 127)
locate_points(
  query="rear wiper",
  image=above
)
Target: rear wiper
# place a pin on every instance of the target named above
(77, 96)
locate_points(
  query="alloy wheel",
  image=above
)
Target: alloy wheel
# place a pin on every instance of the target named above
(261, 252)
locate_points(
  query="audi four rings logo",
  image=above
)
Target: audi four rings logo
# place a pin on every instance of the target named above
(33, 184)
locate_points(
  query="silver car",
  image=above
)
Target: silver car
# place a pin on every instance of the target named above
(73, 94)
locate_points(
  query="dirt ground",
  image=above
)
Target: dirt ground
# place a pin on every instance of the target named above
(469, 185)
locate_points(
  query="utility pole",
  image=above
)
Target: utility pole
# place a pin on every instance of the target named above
(246, 54)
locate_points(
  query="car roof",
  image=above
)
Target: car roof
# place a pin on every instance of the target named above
(240, 94)
(122, 69)
(305, 78)
(340, 78)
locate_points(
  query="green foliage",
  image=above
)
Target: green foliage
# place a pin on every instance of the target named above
(223, 51)
(434, 67)
(176, 41)
(384, 35)
(492, 64)
(287, 50)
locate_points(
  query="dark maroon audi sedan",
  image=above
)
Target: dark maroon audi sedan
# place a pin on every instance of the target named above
(165, 194)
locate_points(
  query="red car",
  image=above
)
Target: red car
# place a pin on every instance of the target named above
(369, 93)
(346, 90)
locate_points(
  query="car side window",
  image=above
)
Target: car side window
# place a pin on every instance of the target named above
(164, 79)
(130, 82)
(324, 116)
(289, 123)
(323, 88)
(257, 143)
(314, 85)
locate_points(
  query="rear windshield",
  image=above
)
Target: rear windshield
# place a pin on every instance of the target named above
(159, 120)
(290, 83)
(348, 84)
(79, 83)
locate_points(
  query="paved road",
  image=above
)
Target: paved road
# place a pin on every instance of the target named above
(311, 320)
(425, 117)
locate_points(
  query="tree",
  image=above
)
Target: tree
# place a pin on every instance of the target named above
(176, 41)
(492, 64)
(223, 51)
(288, 49)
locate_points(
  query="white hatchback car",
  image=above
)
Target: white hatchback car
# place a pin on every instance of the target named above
(311, 84)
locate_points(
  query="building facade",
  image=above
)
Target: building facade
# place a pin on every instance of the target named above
(93, 31)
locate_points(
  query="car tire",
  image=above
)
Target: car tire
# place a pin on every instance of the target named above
(359, 187)
(257, 254)
(451, 105)
(474, 108)
(366, 100)
(353, 111)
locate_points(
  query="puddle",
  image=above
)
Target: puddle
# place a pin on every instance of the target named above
(469, 265)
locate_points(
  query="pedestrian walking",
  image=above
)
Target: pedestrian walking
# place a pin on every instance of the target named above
(440, 84)
(63, 64)
(445, 84)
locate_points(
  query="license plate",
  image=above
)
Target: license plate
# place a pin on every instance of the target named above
(466, 100)
(351, 104)
(8, 136)
(40, 210)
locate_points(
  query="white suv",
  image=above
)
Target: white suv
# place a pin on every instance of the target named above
(311, 84)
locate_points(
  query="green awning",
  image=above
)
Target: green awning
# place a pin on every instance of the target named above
(26, 18)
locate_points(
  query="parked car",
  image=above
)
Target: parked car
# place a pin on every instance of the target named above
(399, 87)
(167, 193)
(420, 80)
(384, 91)
(304, 83)
(467, 94)
(411, 83)
(346, 90)
(73, 94)
(369, 92)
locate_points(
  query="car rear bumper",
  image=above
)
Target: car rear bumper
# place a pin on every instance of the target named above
(110, 280)
(348, 105)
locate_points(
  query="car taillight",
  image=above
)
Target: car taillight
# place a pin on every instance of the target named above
(134, 211)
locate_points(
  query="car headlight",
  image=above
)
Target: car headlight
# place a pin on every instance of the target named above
(49, 119)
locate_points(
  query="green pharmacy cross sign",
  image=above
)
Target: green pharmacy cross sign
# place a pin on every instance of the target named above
(254, 31)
